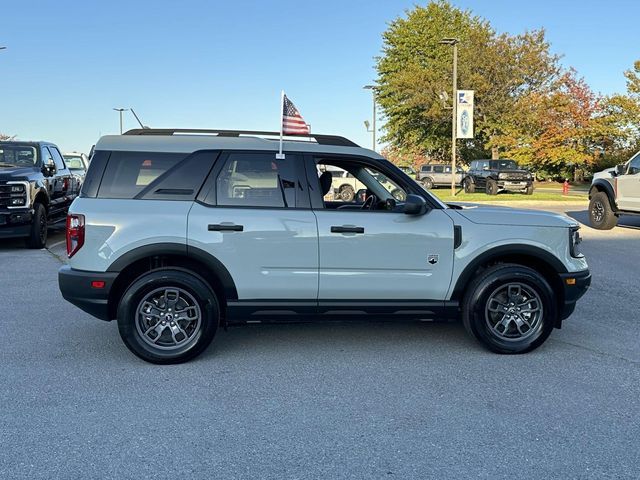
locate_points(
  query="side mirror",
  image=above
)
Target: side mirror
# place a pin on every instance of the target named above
(415, 205)
(621, 169)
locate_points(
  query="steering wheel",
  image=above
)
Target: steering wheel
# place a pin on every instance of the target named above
(370, 203)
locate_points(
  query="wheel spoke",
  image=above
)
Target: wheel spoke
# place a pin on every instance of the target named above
(172, 309)
(514, 311)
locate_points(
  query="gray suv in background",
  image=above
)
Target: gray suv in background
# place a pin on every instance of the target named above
(614, 192)
(437, 175)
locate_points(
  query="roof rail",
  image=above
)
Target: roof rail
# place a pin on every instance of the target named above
(320, 139)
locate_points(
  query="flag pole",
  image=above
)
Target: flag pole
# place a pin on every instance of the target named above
(280, 155)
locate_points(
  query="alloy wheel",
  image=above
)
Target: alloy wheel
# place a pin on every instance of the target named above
(168, 318)
(514, 312)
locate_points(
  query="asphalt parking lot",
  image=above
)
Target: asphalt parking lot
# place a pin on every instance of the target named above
(411, 400)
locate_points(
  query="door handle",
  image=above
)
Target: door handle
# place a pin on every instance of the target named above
(225, 227)
(346, 229)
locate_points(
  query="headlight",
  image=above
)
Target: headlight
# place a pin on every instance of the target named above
(574, 242)
(502, 176)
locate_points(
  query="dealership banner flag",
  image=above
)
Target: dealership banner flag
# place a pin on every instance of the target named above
(464, 113)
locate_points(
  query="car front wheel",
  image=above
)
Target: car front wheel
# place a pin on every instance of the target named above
(168, 316)
(510, 309)
(601, 215)
(492, 187)
(38, 234)
(469, 186)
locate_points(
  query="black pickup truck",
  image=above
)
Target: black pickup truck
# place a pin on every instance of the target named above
(36, 189)
(497, 175)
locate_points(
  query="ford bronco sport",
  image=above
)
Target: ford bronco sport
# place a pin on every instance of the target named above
(177, 233)
(36, 189)
(495, 176)
(614, 192)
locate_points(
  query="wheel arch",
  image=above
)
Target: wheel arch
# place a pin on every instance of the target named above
(601, 185)
(545, 263)
(151, 257)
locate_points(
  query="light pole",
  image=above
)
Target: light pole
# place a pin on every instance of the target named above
(121, 110)
(453, 42)
(373, 129)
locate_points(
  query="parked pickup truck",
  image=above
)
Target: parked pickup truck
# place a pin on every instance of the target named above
(36, 189)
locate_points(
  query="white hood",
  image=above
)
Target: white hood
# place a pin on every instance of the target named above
(492, 215)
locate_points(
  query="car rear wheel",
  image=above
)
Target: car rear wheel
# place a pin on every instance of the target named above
(168, 316)
(510, 309)
(38, 234)
(492, 187)
(427, 183)
(601, 215)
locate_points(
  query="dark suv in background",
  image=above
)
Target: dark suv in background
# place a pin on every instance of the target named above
(36, 189)
(497, 175)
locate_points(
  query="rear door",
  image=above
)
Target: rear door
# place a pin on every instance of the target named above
(253, 215)
(629, 186)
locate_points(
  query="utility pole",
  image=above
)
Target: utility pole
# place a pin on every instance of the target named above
(120, 110)
(373, 130)
(454, 111)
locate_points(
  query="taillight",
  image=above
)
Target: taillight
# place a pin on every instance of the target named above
(75, 233)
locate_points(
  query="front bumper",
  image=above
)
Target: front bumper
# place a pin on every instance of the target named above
(15, 224)
(76, 287)
(514, 185)
(575, 285)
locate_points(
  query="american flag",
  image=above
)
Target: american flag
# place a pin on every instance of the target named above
(292, 121)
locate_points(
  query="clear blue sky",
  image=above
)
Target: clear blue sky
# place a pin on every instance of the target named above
(222, 64)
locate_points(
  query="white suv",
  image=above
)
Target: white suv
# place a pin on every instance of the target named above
(176, 233)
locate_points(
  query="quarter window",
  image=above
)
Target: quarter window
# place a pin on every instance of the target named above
(128, 173)
(257, 180)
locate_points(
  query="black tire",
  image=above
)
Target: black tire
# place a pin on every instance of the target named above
(478, 320)
(492, 187)
(469, 186)
(346, 193)
(427, 183)
(601, 215)
(38, 234)
(197, 339)
(529, 190)
(399, 194)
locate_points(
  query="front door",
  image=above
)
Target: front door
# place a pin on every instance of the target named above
(255, 219)
(629, 187)
(373, 253)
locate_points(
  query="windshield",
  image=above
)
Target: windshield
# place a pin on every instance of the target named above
(504, 165)
(18, 156)
(74, 162)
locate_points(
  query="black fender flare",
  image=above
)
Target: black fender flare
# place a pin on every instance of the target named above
(601, 185)
(197, 254)
(501, 252)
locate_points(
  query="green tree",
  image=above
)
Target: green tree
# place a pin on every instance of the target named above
(414, 69)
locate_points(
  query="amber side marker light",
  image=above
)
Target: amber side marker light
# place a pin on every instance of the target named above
(570, 281)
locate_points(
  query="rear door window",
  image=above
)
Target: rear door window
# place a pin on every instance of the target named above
(257, 180)
(438, 169)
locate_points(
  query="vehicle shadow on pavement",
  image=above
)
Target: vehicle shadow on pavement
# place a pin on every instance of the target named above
(625, 221)
(332, 337)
